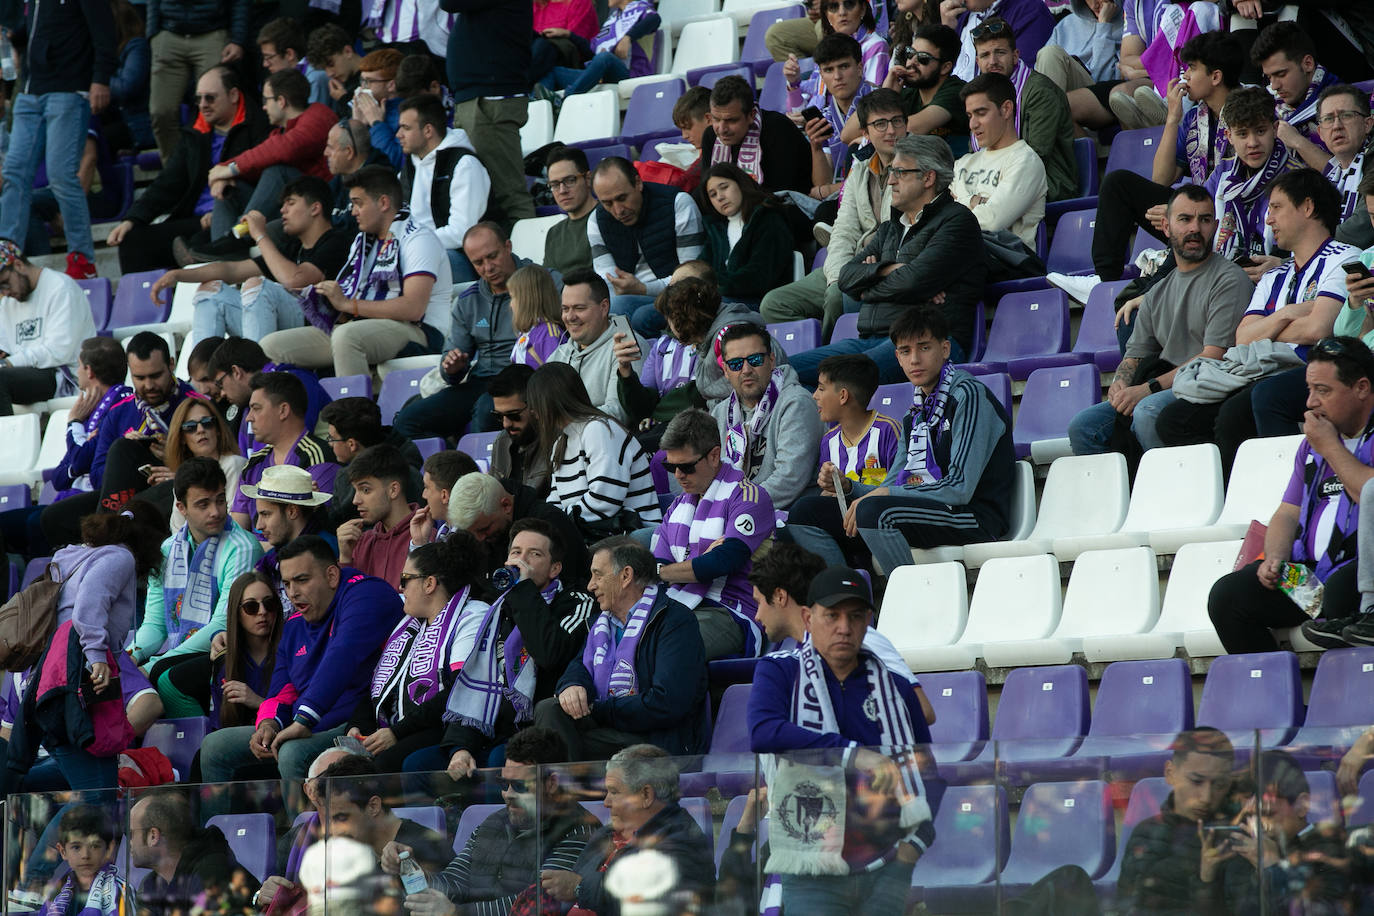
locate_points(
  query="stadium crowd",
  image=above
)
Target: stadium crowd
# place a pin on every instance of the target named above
(617, 477)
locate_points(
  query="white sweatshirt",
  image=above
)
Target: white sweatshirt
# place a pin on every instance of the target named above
(45, 331)
(1011, 182)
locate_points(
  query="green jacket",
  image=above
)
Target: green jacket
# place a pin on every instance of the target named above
(1048, 127)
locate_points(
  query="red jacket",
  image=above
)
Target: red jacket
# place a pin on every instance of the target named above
(299, 143)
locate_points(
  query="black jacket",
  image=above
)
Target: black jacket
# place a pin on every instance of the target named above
(941, 253)
(489, 48)
(674, 833)
(67, 44)
(177, 188)
(196, 17)
(784, 151)
(206, 865)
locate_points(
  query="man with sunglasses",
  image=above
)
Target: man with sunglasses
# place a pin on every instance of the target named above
(225, 127)
(929, 88)
(1030, 21)
(44, 317)
(515, 455)
(566, 247)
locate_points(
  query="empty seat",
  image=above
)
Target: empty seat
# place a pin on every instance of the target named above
(1177, 487)
(252, 837)
(1362, 812)
(349, 386)
(1134, 150)
(675, 14)
(527, 235)
(1097, 338)
(538, 129)
(1323, 800)
(728, 763)
(755, 52)
(132, 304)
(1071, 248)
(97, 292)
(1042, 714)
(1140, 707)
(1128, 575)
(704, 43)
(707, 77)
(398, 388)
(797, 336)
(15, 496)
(1255, 690)
(892, 400)
(999, 383)
(179, 739)
(1341, 704)
(925, 605)
(974, 841)
(19, 446)
(960, 701)
(588, 116)
(1053, 396)
(478, 446)
(1029, 330)
(846, 327)
(650, 111)
(596, 152)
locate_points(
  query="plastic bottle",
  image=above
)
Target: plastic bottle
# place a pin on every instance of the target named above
(412, 875)
(6, 58)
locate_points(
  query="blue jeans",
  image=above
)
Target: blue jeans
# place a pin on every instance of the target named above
(53, 126)
(646, 320)
(252, 312)
(880, 891)
(604, 67)
(878, 349)
(1090, 431)
(1279, 402)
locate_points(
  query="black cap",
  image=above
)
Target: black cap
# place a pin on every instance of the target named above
(839, 583)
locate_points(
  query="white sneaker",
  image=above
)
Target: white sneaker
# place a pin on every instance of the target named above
(821, 233)
(1078, 288)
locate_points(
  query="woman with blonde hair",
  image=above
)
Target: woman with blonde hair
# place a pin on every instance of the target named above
(196, 430)
(536, 313)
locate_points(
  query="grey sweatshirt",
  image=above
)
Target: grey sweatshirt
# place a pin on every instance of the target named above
(99, 596)
(711, 383)
(596, 364)
(791, 444)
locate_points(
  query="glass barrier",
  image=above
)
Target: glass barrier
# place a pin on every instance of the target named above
(1133, 824)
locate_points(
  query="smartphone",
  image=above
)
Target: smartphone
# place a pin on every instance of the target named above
(620, 324)
(1226, 829)
(1357, 269)
(1245, 261)
(145, 469)
(810, 113)
(349, 743)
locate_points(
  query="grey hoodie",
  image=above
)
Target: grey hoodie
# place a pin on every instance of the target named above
(596, 364)
(1096, 45)
(791, 443)
(711, 383)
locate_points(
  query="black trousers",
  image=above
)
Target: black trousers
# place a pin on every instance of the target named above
(122, 481)
(1243, 610)
(1121, 204)
(22, 385)
(1228, 423)
(149, 247)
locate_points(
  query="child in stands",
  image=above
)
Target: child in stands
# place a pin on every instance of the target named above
(861, 443)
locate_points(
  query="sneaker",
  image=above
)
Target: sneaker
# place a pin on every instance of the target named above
(1127, 112)
(80, 267)
(821, 232)
(1078, 288)
(1327, 633)
(1360, 633)
(1151, 106)
(181, 252)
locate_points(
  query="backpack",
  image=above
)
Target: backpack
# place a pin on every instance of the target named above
(27, 621)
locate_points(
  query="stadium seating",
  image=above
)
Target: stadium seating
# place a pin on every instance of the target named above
(398, 388)
(1097, 328)
(704, 43)
(960, 701)
(348, 386)
(1043, 714)
(755, 53)
(527, 235)
(1029, 330)
(650, 111)
(537, 131)
(251, 837)
(587, 117)
(1053, 396)
(797, 336)
(1139, 708)
(132, 304)
(179, 739)
(1256, 690)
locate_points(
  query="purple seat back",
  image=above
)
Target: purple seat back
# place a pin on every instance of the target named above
(1255, 690)
(97, 292)
(429, 446)
(179, 739)
(773, 96)
(597, 152)
(33, 569)
(1051, 398)
(347, 386)
(1342, 689)
(1071, 247)
(1062, 823)
(1134, 150)
(1097, 327)
(15, 496)
(846, 327)
(1042, 713)
(1085, 154)
(974, 838)
(473, 816)
(651, 110)
(1152, 697)
(431, 816)
(252, 837)
(892, 400)
(648, 145)
(1323, 800)
(1034, 323)
(1147, 797)
(1143, 242)
(960, 701)
(707, 77)
(980, 331)
(999, 383)
(478, 446)
(755, 52)
(733, 812)
(397, 388)
(797, 336)
(131, 303)
(731, 732)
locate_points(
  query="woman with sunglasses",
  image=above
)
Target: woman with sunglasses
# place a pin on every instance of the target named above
(855, 19)
(242, 657)
(442, 584)
(196, 430)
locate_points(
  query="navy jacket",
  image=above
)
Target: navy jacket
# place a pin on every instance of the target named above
(489, 48)
(126, 417)
(67, 44)
(671, 667)
(196, 17)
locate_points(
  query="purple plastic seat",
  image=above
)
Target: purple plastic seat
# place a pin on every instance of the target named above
(773, 96)
(429, 446)
(974, 840)
(472, 818)
(1141, 706)
(980, 331)
(1085, 157)
(999, 383)
(797, 336)
(728, 763)
(1256, 690)
(707, 77)
(431, 816)
(598, 151)
(1030, 330)
(1042, 715)
(733, 812)
(648, 145)
(1147, 798)
(819, 260)
(132, 304)
(1097, 328)
(398, 388)
(960, 701)
(1339, 706)
(755, 52)
(15, 496)
(1134, 150)
(179, 739)
(347, 386)
(33, 569)
(1323, 800)
(478, 446)
(97, 291)
(252, 837)
(650, 111)
(1071, 247)
(893, 400)
(846, 327)
(1051, 398)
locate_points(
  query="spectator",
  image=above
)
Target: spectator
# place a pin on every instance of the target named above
(515, 455)
(1003, 181)
(242, 657)
(929, 88)
(254, 297)
(347, 149)
(379, 107)
(616, 50)
(666, 381)
(86, 845)
(748, 243)
(276, 408)
(255, 178)
(646, 687)
(197, 430)
(708, 535)
(43, 318)
(566, 248)
(1166, 866)
(420, 662)
(354, 424)
(642, 796)
(1315, 525)
(69, 59)
(501, 860)
(187, 40)
(934, 247)
(561, 19)
(1115, 99)
(859, 443)
(865, 202)
(393, 293)
(353, 802)
(488, 70)
(125, 125)
(445, 184)
(1083, 50)
(692, 116)
(1191, 314)
(341, 623)
(331, 49)
(232, 367)
(1344, 122)
(441, 471)
(184, 861)
(592, 337)
(834, 88)
(1029, 23)
(378, 476)
(483, 335)
(197, 363)
(286, 502)
(768, 429)
(281, 43)
(484, 506)
(857, 704)
(1286, 55)
(766, 144)
(1042, 109)
(515, 654)
(225, 126)
(639, 232)
(536, 314)
(955, 486)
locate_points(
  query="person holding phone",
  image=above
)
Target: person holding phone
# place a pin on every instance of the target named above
(593, 333)
(828, 100)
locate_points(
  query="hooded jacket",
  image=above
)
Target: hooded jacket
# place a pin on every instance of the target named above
(1096, 45)
(794, 436)
(596, 364)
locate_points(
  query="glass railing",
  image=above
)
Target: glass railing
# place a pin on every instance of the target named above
(1262, 822)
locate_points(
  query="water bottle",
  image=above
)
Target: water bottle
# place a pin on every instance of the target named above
(505, 577)
(6, 58)
(412, 875)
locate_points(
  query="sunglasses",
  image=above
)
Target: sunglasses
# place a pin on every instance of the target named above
(924, 58)
(836, 5)
(207, 97)
(518, 786)
(407, 577)
(753, 359)
(989, 28)
(686, 467)
(515, 416)
(191, 426)
(253, 607)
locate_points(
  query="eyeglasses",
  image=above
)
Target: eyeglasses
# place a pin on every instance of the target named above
(996, 27)
(407, 577)
(836, 5)
(253, 607)
(269, 98)
(268, 58)
(371, 81)
(518, 786)
(567, 184)
(753, 359)
(686, 467)
(1348, 117)
(191, 426)
(207, 97)
(219, 379)
(883, 125)
(899, 171)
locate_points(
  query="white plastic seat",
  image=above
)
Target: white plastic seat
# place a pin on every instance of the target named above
(1015, 598)
(924, 606)
(538, 129)
(705, 42)
(742, 11)
(1084, 495)
(1176, 487)
(19, 446)
(1019, 528)
(674, 15)
(527, 236)
(1128, 576)
(178, 321)
(588, 116)
(1258, 478)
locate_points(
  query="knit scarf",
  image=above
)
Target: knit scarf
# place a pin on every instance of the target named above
(1241, 200)
(612, 664)
(189, 587)
(1347, 181)
(745, 441)
(105, 899)
(490, 674)
(153, 423)
(1205, 145)
(807, 803)
(750, 151)
(1303, 116)
(619, 23)
(372, 271)
(414, 658)
(927, 413)
(116, 393)
(1019, 76)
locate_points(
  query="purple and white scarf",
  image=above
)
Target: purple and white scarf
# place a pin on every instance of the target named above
(1205, 145)
(106, 897)
(750, 158)
(927, 414)
(1303, 116)
(413, 660)
(669, 364)
(373, 271)
(1347, 182)
(189, 586)
(496, 670)
(619, 23)
(611, 663)
(1019, 76)
(745, 441)
(1242, 201)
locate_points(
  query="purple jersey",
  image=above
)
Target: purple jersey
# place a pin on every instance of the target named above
(1329, 517)
(868, 459)
(669, 364)
(534, 346)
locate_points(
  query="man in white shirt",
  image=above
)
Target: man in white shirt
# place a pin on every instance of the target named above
(446, 184)
(1003, 181)
(43, 318)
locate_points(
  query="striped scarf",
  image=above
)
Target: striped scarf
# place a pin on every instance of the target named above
(927, 413)
(670, 364)
(106, 897)
(189, 586)
(1242, 201)
(373, 271)
(413, 660)
(611, 663)
(750, 158)
(745, 441)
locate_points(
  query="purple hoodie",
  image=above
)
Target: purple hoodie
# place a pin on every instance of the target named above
(99, 598)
